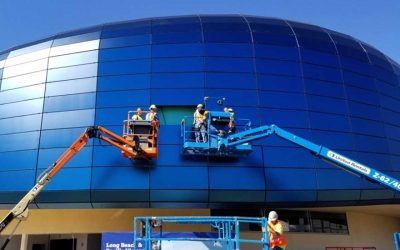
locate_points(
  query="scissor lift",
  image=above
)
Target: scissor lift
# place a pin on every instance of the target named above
(227, 231)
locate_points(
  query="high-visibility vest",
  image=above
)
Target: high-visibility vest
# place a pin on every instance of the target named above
(199, 118)
(137, 118)
(151, 116)
(276, 240)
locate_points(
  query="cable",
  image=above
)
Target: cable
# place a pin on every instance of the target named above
(10, 236)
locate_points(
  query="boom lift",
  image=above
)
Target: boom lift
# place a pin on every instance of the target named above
(237, 144)
(139, 141)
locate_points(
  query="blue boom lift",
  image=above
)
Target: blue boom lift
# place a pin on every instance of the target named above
(221, 143)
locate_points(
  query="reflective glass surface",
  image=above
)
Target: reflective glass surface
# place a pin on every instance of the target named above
(123, 82)
(73, 59)
(21, 94)
(125, 41)
(25, 68)
(74, 48)
(75, 72)
(316, 83)
(124, 53)
(27, 50)
(69, 102)
(21, 108)
(20, 124)
(21, 141)
(24, 80)
(177, 64)
(24, 58)
(71, 86)
(124, 67)
(177, 80)
(71, 38)
(68, 119)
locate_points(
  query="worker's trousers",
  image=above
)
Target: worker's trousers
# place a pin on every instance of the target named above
(200, 132)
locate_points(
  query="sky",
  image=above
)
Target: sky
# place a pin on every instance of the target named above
(376, 22)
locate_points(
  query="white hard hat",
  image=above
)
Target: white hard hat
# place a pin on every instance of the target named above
(200, 105)
(272, 216)
(152, 106)
(230, 110)
(138, 109)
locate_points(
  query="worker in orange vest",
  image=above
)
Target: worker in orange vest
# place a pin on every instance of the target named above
(277, 240)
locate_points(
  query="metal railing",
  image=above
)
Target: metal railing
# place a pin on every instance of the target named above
(227, 231)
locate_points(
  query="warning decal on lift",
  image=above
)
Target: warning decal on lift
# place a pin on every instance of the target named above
(350, 163)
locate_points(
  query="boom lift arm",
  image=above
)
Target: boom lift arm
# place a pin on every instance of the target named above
(20, 211)
(322, 152)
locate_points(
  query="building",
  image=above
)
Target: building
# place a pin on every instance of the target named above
(323, 85)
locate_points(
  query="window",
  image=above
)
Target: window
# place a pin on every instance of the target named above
(328, 223)
(297, 221)
(173, 115)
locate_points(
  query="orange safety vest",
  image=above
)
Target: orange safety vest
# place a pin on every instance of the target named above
(276, 240)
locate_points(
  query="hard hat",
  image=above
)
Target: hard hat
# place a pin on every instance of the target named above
(272, 216)
(200, 105)
(138, 109)
(230, 110)
(152, 106)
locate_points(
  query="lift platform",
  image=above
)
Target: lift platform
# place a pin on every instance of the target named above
(139, 141)
(143, 135)
(225, 234)
(216, 128)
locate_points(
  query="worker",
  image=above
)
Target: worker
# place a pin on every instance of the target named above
(138, 115)
(152, 114)
(277, 240)
(231, 125)
(199, 123)
(153, 117)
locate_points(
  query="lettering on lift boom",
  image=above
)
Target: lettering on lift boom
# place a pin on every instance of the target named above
(350, 163)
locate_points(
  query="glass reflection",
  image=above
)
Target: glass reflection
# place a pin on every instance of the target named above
(71, 86)
(25, 68)
(74, 48)
(24, 80)
(82, 71)
(73, 59)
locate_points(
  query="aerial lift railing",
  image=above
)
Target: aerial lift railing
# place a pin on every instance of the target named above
(228, 230)
(322, 152)
(188, 132)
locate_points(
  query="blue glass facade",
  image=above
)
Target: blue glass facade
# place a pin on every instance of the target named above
(325, 86)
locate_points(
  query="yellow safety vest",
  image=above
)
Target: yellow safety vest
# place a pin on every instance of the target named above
(137, 118)
(276, 240)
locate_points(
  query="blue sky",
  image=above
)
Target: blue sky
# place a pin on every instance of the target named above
(376, 22)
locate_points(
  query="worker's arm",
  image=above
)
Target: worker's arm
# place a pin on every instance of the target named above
(276, 229)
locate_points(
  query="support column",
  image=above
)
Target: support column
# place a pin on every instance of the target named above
(24, 241)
